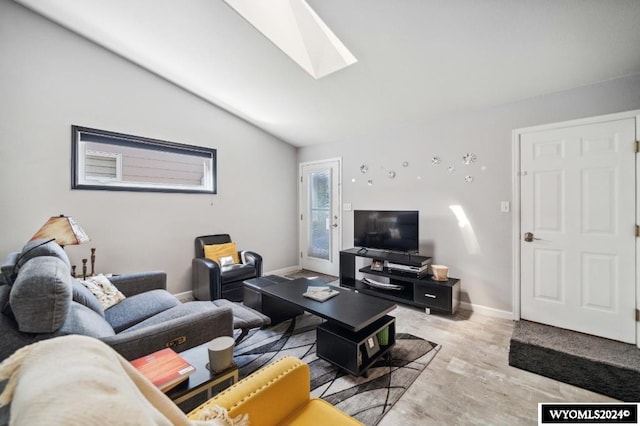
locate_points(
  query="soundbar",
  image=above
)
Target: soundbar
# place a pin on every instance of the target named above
(401, 267)
(408, 270)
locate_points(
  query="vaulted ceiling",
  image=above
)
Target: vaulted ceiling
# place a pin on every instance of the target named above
(416, 58)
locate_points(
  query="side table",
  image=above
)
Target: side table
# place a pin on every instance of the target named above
(202, 379)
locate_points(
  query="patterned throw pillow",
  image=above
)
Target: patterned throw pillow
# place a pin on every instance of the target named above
(219, 416)
(106, 293)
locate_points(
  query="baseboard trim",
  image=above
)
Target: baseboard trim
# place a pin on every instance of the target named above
(283, 271)
(485, 310)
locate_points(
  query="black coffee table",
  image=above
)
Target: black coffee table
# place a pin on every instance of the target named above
(274, 308)
(358, 330)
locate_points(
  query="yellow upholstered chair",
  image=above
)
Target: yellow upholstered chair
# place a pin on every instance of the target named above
(278, 394)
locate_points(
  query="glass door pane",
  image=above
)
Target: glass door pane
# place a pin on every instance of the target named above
(319, 214)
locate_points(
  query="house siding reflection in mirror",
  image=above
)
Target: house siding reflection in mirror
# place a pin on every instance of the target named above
(115, 161)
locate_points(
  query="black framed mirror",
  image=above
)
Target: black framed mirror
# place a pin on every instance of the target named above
(119, 162)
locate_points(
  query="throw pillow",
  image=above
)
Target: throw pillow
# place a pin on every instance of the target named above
(104, 290)
(82, 295)
(217, 415)
(227, 260)
(216, 251)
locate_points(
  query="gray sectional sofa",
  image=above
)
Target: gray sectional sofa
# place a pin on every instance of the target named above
(40, 300)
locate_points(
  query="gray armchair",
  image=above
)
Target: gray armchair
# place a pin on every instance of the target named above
(45, 301)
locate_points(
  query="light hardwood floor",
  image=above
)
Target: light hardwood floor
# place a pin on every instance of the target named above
(470, 381)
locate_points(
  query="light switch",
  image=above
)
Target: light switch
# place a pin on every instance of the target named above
(346, 207)
(505, 207)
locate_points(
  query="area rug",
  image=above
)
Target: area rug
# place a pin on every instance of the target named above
(303, 273)
(367, 399)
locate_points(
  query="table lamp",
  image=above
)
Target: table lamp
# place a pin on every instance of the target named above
(64, 229)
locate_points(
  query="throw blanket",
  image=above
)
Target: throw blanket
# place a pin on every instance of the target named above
(79, 380)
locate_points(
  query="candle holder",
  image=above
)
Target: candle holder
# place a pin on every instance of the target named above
(93, 261)
(84, 268)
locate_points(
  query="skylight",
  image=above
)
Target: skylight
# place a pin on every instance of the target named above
(299, 32)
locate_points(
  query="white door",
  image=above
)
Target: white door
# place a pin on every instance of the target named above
(578, 216)
(320, 226)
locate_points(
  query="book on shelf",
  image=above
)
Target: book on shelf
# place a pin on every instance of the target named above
(372, 345)
(320, 293)
(164, 368)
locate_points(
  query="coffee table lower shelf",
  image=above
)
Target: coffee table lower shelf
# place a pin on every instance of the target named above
(200, 386)
(355, 352)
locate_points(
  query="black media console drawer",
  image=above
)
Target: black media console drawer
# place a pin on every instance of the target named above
(433, 295)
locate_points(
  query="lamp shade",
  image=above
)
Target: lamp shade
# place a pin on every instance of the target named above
(64, 229)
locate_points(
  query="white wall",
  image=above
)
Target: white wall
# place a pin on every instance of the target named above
(481, 255)
(51, 79)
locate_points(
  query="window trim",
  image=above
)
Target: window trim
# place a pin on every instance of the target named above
(81, 135)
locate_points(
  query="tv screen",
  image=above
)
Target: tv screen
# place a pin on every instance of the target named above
(386, 230)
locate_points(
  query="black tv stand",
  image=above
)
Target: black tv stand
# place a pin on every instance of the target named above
(408, 288)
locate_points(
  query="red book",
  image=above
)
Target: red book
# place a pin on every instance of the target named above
(164, 368)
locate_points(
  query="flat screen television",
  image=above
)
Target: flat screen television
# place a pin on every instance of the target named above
(393, 230)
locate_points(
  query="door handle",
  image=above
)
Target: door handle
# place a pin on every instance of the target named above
(528, 237)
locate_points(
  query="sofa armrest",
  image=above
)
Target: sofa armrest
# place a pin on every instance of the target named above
(254, 258)
(268, 395)
(207, 281)
(191, 330)
(131, 284)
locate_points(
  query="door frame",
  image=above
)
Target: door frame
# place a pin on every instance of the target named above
(516, 222)
(301, 206)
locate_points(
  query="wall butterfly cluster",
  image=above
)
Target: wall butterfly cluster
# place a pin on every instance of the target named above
(467, 159)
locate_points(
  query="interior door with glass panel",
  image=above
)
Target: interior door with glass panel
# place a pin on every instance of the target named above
(320, 226)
